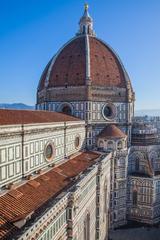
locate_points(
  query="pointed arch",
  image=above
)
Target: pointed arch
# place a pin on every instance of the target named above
(135, 198)
(105, 199)
(87, 227)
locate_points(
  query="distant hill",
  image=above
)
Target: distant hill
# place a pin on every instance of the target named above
(148, 112)
(18, 106)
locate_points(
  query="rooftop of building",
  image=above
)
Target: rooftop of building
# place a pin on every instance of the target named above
(143, 128)
(144, 134)
(13, 117)
(111, 131)
(32, 196)
(6, 229)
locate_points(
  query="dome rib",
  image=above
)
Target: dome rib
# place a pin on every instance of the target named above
(41, 83)
(54, 59)
(88, 62)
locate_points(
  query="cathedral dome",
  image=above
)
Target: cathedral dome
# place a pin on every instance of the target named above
(84, 60)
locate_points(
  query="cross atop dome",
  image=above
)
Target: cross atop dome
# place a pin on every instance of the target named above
(86, 23)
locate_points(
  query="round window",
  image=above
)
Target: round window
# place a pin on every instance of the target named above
(49, 152)
(77, 142)
(108, 111)
(67, 110)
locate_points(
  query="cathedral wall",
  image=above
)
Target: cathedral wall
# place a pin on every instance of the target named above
(144, 159)
(78, 212)
(83, 208)
(10, 154)
(92, 113)
(156, 209)
(69, 94)
(23, 149)
(52, 224)
(143, 185)
(140, 199)
(35, 141)
(103, 198)
(73, 132)
(118, 188)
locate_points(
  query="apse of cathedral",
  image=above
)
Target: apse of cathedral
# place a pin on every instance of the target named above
(78, 166)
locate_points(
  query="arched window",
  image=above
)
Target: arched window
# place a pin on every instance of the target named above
(77, 142)
(119, 145)
(84, 29)
(101, 144)
(105, 201)
(154, 160)
(110, 145)
(135, 198)
(88, 29)
(87, 227)
(67, 110)
(137, 164)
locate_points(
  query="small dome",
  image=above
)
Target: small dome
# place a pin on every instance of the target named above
(111, 132)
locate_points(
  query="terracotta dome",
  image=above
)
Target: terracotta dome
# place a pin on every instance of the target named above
(69, 66)
(111, 131)
(84, 60)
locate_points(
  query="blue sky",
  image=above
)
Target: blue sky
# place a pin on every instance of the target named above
(31, 31)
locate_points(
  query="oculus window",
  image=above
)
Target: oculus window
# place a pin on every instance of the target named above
(49, 151)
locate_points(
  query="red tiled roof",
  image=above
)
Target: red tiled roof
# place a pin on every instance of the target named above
(20, 202)
(70, 65)
(111, 131)
(7, 230)
(106, 70)
(9, 117)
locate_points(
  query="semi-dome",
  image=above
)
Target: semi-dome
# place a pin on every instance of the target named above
(111, 132)
(84, 60)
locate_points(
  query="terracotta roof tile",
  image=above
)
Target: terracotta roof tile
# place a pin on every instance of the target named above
(28, 198)
(69, 67)
(111, 131)
(34, 183)
(6, 229)
(9, 117)
(106, 70)
(15, 194)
